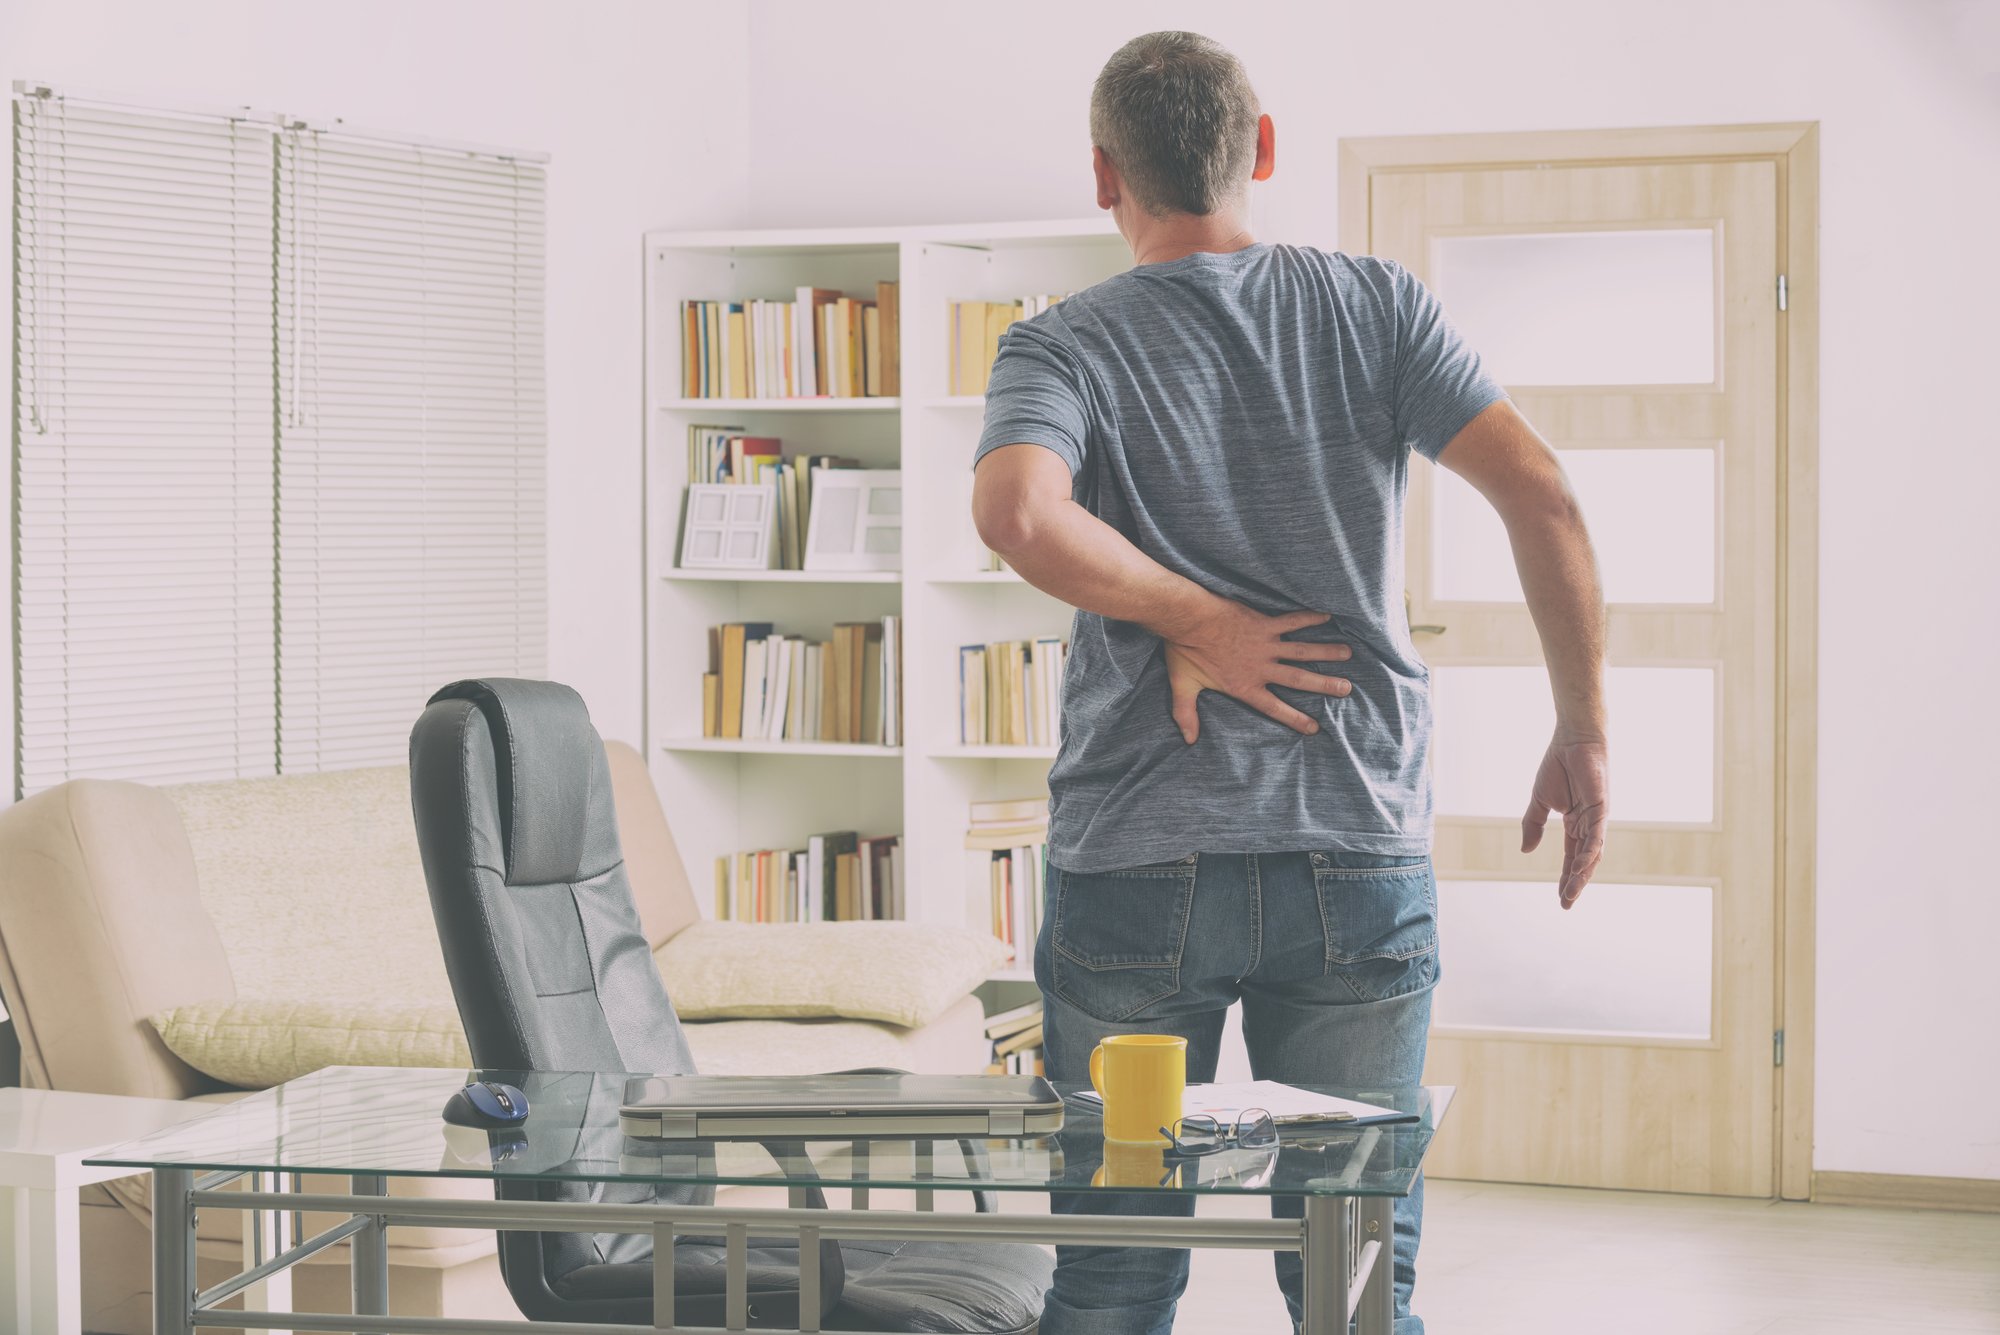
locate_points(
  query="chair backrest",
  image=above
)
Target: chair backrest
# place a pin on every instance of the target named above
(541, 938)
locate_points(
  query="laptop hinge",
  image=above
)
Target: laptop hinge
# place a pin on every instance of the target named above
(675, 1125)
(1007, 1122)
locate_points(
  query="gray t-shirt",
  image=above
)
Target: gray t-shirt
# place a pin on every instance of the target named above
(1244, 419)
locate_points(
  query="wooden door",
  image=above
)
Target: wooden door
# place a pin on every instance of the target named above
(1632, 313)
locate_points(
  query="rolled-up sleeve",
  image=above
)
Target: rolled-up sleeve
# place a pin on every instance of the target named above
(1036, 396)
(1440, 382)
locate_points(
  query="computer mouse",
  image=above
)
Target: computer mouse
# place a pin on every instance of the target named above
(486, 1103)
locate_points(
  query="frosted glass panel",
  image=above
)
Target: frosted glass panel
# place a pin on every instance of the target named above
(1651, 515)
(1628, 959)
(1493, 723)
(1584, 308)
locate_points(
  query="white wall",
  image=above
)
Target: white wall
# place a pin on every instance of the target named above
(981, 117)
(637, 101)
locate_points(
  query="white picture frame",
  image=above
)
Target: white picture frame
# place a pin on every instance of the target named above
(730, 527)
(857, 519)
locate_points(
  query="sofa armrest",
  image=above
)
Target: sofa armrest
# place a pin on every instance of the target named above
(896, 972)
(101, 925)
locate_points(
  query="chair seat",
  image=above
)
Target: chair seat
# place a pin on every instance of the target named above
(959, 1287)
(923, 1288)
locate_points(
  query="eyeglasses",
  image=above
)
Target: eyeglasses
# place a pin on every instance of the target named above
(1192, 1136)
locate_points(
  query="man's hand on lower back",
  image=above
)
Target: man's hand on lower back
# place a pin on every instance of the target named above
(1240, 652)
(1574, 781)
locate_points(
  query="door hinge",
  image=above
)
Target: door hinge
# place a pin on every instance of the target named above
(1783, 303)
(1777, 1047)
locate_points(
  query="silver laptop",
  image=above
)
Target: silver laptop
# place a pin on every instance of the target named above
(720, 1107)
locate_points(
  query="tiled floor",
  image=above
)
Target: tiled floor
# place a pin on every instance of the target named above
(1501, 1260)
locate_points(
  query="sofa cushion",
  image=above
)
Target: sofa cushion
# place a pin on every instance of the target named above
(257, 1044)
(314, 885)
(897, 972)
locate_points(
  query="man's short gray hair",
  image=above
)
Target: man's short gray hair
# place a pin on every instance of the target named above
(1175, 113)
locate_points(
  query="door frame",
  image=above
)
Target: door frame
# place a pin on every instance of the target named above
(1793, 149)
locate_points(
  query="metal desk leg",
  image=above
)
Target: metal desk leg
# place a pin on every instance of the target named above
(260, 1227)
(173, 1252)
(1325, 1252)
(1378, 1293)
(371, 1254)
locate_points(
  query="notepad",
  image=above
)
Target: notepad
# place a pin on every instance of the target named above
(1288, 1104)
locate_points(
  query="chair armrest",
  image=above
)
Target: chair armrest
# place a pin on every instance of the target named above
(895, 972)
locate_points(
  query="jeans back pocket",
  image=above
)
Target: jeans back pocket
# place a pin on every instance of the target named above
(1117, 937)
(1380, 918)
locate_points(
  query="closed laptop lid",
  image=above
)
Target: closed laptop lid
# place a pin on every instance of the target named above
(842, 1093)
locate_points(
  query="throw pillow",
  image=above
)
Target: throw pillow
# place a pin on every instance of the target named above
(898, 972)
(257, 1044)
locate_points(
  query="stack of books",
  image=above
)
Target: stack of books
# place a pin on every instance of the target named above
(724, 455)
(818, 345)
(780, 688)
(1017, 1041)
(837, 877)
(1010, 694)
(975, 329)
(1006, 854)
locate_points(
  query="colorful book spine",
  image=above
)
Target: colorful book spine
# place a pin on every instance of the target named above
(1010, 693)
(783, 688)
(818, 344)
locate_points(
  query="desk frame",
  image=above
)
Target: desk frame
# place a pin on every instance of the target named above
(1346, 1242)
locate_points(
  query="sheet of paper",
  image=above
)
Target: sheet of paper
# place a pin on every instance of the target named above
(1225, 1102)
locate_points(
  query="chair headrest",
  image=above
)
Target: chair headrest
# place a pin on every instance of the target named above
(544, 753)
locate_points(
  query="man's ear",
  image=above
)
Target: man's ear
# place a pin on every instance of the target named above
(1109, 187)
(1267, 150)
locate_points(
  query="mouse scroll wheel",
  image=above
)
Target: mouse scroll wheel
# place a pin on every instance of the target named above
(506, 1104)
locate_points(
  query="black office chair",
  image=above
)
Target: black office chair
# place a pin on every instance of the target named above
(551, 972)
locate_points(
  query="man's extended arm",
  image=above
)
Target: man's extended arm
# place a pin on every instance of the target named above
(1022, 506)
(1515, 470)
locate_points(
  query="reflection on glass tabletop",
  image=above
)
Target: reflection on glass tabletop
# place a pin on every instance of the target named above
(386, 1120)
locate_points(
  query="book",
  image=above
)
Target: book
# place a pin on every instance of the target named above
(1010, 811)
(871, 684)
(735, 639)
(887, 301)
(871, 350)
(1014, 1020)
(807, 355)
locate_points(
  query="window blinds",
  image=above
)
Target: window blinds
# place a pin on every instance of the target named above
(143, 612)
(411, 435)
(280, 435)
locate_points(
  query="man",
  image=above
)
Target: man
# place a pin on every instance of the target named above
(1207, 457)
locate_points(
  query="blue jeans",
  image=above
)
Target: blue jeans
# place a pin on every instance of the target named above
(1333, 956)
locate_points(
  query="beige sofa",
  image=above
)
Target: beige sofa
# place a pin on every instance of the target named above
(119, 901)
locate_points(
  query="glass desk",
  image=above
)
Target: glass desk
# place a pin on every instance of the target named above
(373, 1123)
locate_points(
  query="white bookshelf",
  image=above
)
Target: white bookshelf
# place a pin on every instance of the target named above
(726, 795)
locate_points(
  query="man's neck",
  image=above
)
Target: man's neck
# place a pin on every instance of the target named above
(1158, 240)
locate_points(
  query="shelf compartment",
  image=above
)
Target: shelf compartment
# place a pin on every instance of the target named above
(766, 747)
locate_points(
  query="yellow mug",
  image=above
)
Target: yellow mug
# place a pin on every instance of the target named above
(1141, 1078)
